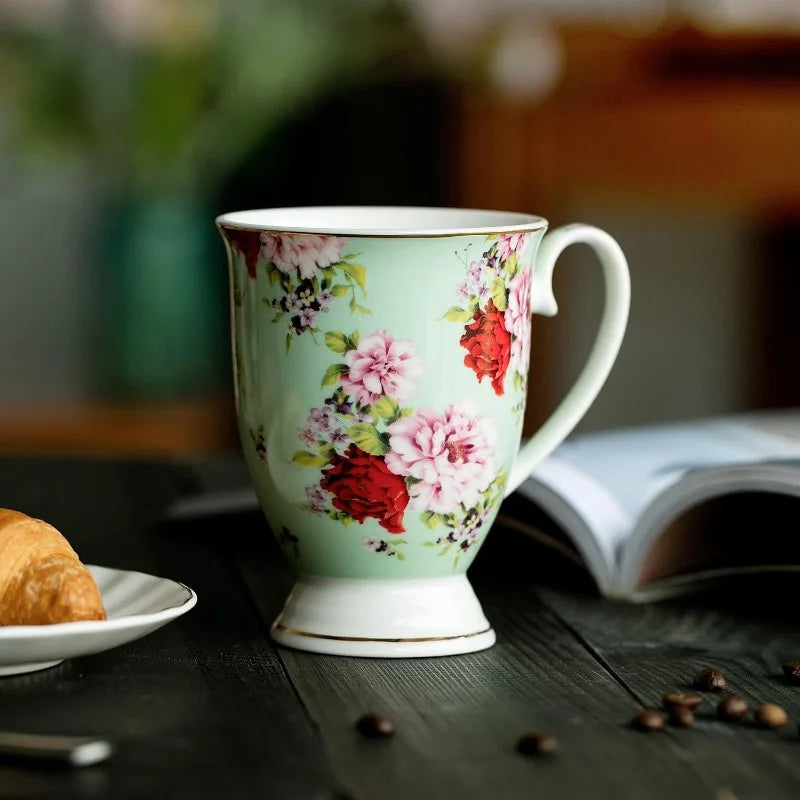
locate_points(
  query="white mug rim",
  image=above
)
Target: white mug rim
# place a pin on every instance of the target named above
(330, 220)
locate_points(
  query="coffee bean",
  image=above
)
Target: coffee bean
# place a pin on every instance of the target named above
(648, 720)
(375, 725)
(681, 716)
(688, 699)
(710, 680)
(537, 744)
(770, 715)
(791, 669)
(732, 708)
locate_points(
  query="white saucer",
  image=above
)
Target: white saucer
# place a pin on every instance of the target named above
(136, 604)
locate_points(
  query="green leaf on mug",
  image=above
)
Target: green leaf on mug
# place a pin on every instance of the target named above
(288, 340)
(327, 450)
(362, 310)
(387, 408)
(357, 272)
(337, 341)
(498, 291)
(339, 289)
(457, 314)
(306, 459)
(341, 516)
(474, 303)
(367, 438)
(333, 373)
(431, 519)
(353, 304)
(278, 317)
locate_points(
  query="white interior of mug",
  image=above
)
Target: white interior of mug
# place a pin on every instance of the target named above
(382, 220)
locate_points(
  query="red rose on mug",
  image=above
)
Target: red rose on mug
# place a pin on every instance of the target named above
(248, 244)
(489, 346)
(363, 487)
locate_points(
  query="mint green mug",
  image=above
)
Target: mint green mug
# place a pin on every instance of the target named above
(381, 363)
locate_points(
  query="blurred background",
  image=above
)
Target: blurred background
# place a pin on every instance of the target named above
(127, 125)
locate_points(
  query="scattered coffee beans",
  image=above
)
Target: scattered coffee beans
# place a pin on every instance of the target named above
(375, 725)
(648, 720)
(537, 744)
(770, 715)
(791, 669)
(710, 680)
(690, 700)
(732, 708)
(681, 716)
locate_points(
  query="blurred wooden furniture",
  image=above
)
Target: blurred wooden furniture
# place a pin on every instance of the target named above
(683, 120)
(149, 430)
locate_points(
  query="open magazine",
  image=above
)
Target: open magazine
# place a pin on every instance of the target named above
(654, 509)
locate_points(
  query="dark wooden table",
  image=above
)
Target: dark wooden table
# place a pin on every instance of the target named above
(208, 707)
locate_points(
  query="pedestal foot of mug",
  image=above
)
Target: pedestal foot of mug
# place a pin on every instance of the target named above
(383, 618)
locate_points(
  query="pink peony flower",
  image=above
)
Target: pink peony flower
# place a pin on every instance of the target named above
(379, 366)
(508, 243)
(517, 319)
(303, 252)
(517, 315)
(450, 456)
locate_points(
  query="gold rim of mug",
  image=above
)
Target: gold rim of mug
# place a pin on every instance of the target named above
(222, 226)
(534, 223)
(295, 632)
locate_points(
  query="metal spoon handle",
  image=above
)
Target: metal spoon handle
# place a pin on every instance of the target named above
(79, 751)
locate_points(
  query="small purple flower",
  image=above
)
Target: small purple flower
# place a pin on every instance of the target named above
(308, 437)
(484, 292)
(316, 499)
(308, 318)
(340, 404)
(379, 546)
(321, 418)
(462, 291)
(292, 303)
(474, 271)
(338, 436)
(305, 295)
(324, 298)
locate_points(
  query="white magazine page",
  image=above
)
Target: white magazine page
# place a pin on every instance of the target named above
(585, 510)
(611, 478)
(777, 476)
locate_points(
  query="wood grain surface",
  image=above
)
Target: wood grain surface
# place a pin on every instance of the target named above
(209, 707)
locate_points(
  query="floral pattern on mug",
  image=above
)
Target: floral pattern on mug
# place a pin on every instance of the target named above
(463, 531)
(306, 274)
(496, 308)
(380, 460)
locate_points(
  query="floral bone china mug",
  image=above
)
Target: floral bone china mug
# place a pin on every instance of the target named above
(381, 365)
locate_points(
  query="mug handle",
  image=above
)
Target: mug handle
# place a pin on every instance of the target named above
(606, 346)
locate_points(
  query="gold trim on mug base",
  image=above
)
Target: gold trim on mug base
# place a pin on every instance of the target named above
(294, 632)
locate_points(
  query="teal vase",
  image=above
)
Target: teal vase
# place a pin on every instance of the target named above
(163, 303)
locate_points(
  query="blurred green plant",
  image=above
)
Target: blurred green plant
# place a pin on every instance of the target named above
(167, 96)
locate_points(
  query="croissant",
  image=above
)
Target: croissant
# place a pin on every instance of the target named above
(42, 580)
